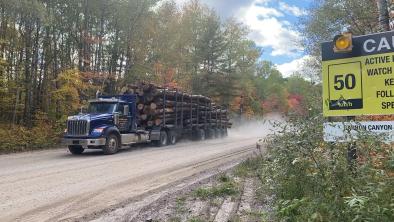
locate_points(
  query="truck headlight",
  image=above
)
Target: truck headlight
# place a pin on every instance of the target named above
(98, 130)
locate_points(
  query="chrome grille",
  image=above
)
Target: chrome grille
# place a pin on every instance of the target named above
(77, 127)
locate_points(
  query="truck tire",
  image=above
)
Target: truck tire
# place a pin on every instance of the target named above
(221, 133)
(201, 134)
(76, 150)
(112, 145)
(163, 141)
(172, 138)
(217, 133)
(210, 133)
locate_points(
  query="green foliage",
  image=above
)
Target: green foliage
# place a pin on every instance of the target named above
(226, 187)
(328, 18)
(248, 168)
(312, 180)
(67, 97)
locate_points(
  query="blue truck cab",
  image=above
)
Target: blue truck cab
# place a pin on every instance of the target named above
(110, 122)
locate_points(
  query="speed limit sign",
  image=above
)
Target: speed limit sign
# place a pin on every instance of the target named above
(345, 79)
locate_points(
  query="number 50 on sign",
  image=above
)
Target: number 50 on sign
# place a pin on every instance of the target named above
(345, 86)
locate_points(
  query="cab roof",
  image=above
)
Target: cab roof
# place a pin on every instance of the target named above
(116, 98)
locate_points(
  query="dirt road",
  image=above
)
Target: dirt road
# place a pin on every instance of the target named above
(55, 185)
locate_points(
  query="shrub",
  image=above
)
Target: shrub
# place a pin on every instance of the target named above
(313, 180)
(44, 134)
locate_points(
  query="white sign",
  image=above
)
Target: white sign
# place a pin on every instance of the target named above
(348, 131)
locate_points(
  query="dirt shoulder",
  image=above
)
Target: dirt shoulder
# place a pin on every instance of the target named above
(227, 193)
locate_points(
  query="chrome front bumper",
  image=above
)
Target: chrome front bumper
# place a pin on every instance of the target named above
(84, 142)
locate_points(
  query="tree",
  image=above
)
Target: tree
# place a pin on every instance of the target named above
(327, 18)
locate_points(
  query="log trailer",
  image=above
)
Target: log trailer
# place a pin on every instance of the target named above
(144, 114)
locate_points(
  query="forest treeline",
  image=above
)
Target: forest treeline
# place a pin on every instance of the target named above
(56, 54)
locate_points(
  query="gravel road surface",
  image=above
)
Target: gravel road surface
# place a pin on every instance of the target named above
(57, 186)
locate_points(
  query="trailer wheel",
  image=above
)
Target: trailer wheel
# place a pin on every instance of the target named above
(223, 133)
(201, 134)
(111, 145)
(76, 150)
(210, 133)
(172, 139)
(163, 141)
(217, 133)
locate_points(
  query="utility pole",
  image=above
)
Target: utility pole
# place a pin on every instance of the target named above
(384, 21)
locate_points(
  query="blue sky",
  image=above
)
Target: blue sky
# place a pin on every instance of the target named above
(273, 27)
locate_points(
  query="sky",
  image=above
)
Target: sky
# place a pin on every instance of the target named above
(273, 27)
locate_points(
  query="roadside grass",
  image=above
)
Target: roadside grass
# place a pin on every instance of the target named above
(180, 205)
(175, 219)
(248, 168)
(224, 178)
(260, 216)
(226, 187)
(196, 219)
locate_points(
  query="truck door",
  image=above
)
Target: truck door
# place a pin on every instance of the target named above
(124, 118)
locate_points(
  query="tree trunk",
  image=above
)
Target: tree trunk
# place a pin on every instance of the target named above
(28, 74)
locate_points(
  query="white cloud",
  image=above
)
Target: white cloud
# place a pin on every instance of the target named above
(269, 30)
(181, 2)
(288, 69)
(263, 12)
(268, 26)
(289, 9)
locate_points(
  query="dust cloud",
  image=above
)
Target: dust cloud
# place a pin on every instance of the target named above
(255, 128)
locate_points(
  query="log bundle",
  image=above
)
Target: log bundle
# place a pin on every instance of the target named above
(159, 106)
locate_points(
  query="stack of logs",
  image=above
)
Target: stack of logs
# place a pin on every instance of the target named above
(158, 106)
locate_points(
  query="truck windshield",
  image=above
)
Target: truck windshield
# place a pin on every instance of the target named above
(101, 107)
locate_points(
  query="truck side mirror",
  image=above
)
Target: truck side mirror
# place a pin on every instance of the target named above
(126, 110)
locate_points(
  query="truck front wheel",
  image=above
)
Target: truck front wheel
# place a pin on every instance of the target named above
(111, 145)
(76, 150)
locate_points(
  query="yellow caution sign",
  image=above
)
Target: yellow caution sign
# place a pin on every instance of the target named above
(360, 82)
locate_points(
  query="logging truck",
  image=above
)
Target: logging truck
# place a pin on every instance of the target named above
(144, 114)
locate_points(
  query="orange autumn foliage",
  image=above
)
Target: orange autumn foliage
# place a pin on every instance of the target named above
(376, 118)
